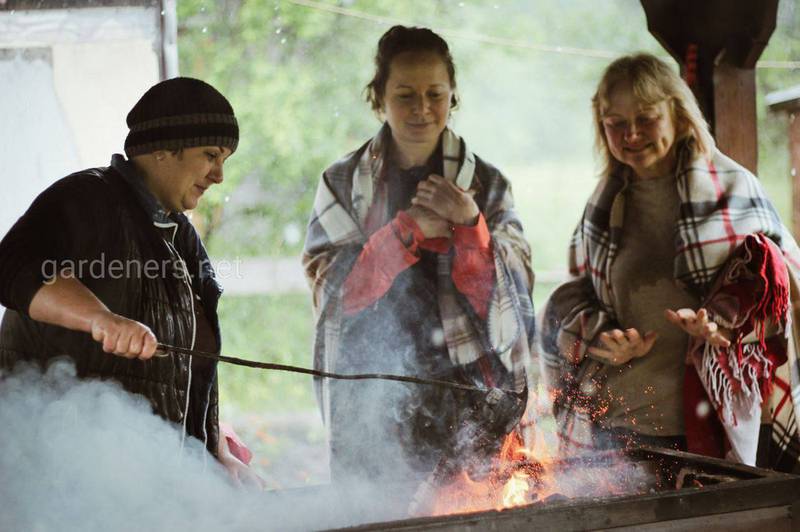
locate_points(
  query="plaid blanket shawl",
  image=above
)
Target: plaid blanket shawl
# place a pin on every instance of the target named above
(337, 233)
(721, 204)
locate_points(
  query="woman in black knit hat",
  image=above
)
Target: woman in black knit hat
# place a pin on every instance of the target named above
(104, 265)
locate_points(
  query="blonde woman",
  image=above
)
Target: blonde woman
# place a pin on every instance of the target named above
(672, 326)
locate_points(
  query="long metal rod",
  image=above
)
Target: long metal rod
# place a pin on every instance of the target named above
(295, 369)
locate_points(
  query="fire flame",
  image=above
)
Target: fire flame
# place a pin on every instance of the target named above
(515, 491)
(516, 478)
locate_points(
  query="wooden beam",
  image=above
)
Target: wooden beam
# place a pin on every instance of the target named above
(21, 5)
(735, 114)
(733, 32)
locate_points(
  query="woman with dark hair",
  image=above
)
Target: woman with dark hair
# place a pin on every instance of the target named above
(677, 316)
(104, 265)
(418, 266)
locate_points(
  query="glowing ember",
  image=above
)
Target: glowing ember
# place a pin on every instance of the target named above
(514, 479)
(515, 492)
(519, 476)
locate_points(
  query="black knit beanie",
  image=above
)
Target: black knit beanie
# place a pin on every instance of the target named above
(180, 113)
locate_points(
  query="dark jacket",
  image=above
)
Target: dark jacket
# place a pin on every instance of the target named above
(106, 226)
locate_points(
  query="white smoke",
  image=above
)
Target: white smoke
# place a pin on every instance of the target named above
(86, 455)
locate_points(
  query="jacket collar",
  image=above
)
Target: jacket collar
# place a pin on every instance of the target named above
(146, 199)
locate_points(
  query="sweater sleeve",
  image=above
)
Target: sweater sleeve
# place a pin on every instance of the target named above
(473, 265)
(38, 244)
(388, 252)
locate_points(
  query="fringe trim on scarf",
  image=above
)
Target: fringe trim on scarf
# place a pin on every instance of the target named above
(744, 369)
(723, 381)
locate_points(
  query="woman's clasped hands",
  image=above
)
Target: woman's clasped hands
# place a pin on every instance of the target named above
(439, 205)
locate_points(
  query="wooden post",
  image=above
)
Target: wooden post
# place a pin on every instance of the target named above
(735, 114)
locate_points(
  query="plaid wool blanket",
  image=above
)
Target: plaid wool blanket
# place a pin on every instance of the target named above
(337, 232)
(721, 204)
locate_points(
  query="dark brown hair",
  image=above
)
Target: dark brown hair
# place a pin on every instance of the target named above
(400, 39)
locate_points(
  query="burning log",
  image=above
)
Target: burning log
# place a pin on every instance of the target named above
(692, 477)
(511, 478)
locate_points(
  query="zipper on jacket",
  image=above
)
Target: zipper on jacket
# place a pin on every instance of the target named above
(187, 279)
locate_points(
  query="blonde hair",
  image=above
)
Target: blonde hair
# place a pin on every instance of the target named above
(652, 81)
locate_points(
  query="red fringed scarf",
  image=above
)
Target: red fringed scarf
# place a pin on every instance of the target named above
(750, 294)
